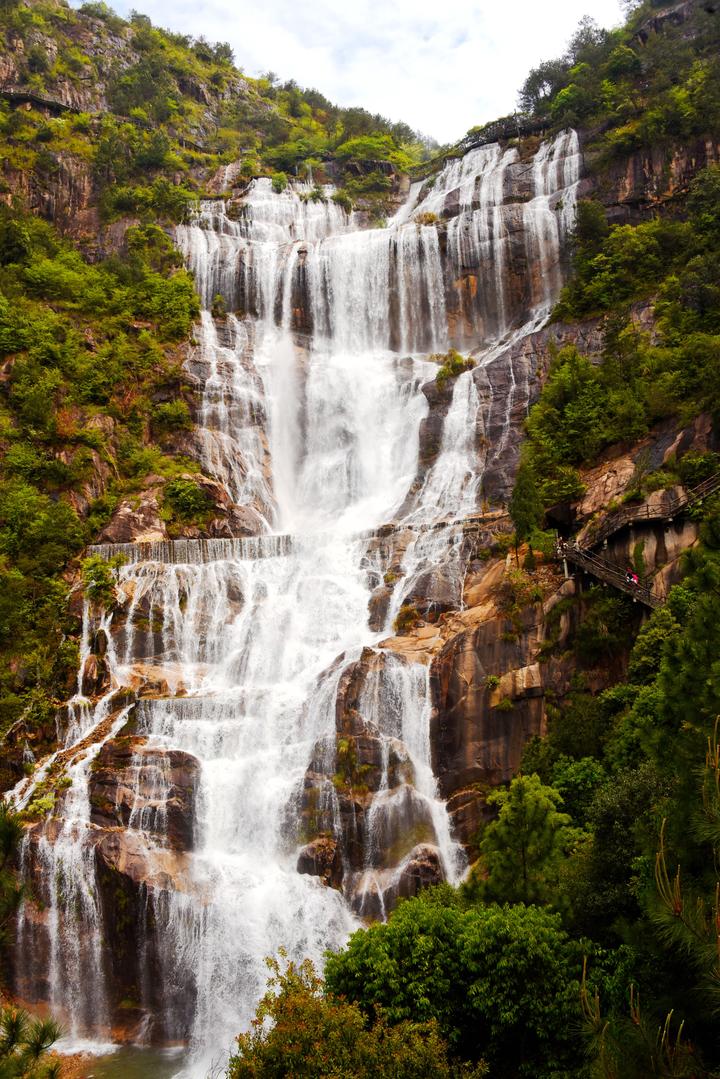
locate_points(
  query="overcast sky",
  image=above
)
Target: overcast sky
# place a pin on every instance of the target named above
(441, 65)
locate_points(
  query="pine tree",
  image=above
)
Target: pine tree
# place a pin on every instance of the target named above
(525, 506)
(522, 850)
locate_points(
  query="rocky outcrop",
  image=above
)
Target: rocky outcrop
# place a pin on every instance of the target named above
(633, 186)
(137, 786)
(62, 191)
(508, 383)
(368, 830)
(488, 690)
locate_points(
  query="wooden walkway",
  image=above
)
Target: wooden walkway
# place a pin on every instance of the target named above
(609, 572)
(630, 515)
(586, 558)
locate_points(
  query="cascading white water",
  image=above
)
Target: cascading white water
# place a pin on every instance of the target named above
(231, 424)
(311, 407)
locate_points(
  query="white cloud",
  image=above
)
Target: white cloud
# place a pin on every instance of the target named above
(441, 67)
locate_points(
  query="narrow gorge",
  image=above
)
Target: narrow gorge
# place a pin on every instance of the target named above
(248, 754)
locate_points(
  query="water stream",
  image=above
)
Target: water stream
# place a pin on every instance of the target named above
(311, 406)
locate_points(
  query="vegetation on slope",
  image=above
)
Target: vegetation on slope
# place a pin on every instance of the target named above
(643, 376)
(651, 82)
(155, 113)
(89, 356)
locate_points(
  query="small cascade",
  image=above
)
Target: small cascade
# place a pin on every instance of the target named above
(405, 823)
(61, 859)
(272, 777)
(231, 425)
(451, 488)
(550, 213)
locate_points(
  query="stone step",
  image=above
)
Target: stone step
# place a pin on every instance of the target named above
(276, 545)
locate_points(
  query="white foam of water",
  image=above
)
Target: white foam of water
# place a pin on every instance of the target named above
(319, 435)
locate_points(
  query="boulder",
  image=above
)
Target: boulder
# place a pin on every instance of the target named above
(321, 858)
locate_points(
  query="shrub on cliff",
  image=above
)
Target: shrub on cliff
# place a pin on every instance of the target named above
(87, 351)
(452, 364)
(187, 500)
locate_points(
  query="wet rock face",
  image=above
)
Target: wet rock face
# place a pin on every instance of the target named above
(472, 740)
(321, 858)
(368, 832)
(146, 788)
(64, 195)
(129, 884)
(95, 678)
(488, 696)
(420, 870)
(132, 856)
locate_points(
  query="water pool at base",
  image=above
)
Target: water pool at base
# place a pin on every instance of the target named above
(131, 1062)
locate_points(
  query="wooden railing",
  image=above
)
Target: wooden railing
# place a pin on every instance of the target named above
(629, 515)
(610, 572)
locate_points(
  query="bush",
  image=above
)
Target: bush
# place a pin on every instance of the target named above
(343, 200)
(99, 576)
(172, 416)
(187, 500)
(406, 619)
(452, 364)
(693, 468)
(279, 182)
(297, 1031)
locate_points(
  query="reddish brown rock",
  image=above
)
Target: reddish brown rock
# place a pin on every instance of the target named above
(145, 788)
(321, 858)
(95, 678)
(422, 869)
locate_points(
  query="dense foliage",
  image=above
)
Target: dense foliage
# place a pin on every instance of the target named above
(87, 351)
(437, 959)
(644, 84)
(672, 369)
(300, 1032)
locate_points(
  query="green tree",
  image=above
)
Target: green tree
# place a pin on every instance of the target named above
(526, 510)
(24, 1044)
(11, 891)
(500, 981)
(298, 1032)
(99, 577)
(187, 500)
(522, 850)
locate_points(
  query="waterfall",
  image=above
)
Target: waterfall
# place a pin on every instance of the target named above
(239, 675)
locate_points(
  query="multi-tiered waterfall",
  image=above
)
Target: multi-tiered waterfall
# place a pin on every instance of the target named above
(242, 721)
